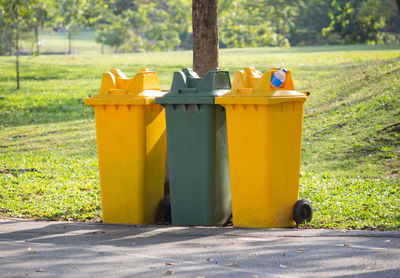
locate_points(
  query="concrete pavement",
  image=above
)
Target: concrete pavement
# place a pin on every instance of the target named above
(63, 249)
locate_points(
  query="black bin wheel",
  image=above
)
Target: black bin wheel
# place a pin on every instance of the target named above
(166, 209)
(302, 211)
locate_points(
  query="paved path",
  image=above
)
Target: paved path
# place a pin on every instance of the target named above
(60, 249)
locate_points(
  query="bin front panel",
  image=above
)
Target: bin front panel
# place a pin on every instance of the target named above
(129, 140)
(264, 155)
(198, 166)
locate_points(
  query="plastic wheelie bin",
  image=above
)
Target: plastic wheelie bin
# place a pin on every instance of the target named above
(197, 148)
(264, 137)
(131, 144)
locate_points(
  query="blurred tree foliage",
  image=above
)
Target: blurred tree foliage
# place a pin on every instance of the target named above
(355, 21)
(144, 25)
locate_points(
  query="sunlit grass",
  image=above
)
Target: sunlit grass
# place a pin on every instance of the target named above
(350, 162)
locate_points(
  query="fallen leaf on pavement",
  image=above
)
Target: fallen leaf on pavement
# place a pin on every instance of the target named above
(254, 254)
(209, 259)
(26, 274)
(152, 267)
(346, 244)
(40, 270)
(169, 264)
(302, 250)
(369, 267)
(387, 240)
(169, 272)
(282, 266)
(234, 264)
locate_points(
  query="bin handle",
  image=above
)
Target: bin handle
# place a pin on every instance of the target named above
(117, 91)
(187, 90)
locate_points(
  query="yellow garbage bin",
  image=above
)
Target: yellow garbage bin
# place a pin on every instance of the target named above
(264, 127)
(131, 144)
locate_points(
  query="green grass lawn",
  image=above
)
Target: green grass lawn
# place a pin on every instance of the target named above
(350, 159)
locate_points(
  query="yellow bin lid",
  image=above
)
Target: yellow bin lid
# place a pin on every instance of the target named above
(117, 89)
(250, 86)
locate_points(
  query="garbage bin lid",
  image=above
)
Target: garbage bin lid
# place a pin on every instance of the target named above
(117, 89)
(188, 88)
(250, 86)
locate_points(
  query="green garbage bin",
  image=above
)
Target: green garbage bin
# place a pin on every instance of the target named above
(197, 148)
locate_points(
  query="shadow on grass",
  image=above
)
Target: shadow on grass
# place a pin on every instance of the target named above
(53, 111)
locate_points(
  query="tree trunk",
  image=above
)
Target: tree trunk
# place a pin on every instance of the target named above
(37, 38)
(11, 41)
(205, 35)
(69, 41)
(17, 51)
(398, 4)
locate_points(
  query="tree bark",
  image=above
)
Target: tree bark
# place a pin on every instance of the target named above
(205, 35)
(398, 4)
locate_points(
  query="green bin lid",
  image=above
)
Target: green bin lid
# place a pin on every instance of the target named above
(188, 88)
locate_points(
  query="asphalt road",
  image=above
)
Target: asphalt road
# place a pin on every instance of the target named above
(62, 249)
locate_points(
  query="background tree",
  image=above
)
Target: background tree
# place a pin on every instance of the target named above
(389, 18)
(42, 14)
(69, 18)
(161, 25)
(283, 13)
(180, 16)
(96, 13)
(15, 11)
(243, 24)
(114, 34)
(311, 18)
(6, 34)
(352, 22)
